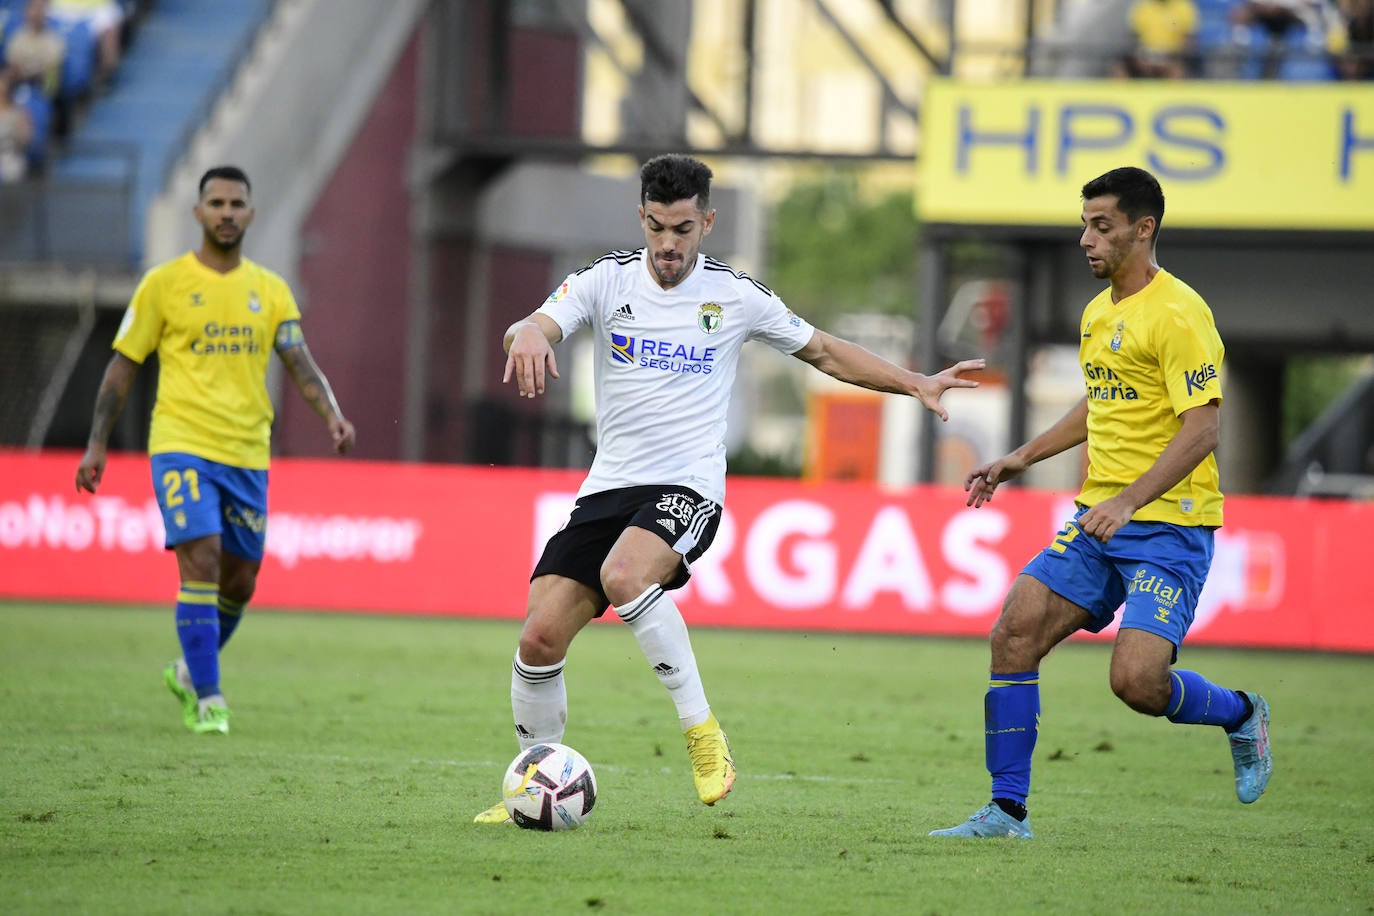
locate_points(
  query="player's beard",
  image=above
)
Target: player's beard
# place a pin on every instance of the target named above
(1116, 256)
(217, 241)
(671, 273)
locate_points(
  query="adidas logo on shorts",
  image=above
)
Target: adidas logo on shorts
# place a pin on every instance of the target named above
(669, 524)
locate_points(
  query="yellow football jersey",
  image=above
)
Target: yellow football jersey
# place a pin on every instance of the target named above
(213, 334)
(1147, 359)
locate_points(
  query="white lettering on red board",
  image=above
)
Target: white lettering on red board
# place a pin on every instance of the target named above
(112, 523)
(792, 558)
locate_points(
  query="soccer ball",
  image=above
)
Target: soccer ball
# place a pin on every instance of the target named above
(549, 787)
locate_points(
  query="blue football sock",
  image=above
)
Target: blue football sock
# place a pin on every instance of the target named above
(230, 615)
(1011, 718)
(198, 631)
(1194, 700)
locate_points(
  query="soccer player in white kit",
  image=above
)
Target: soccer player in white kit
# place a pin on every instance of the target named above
(668, 324)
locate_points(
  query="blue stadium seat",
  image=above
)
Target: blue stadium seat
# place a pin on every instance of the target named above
(1305, 67)
(1223, 57)
(182, 55)
(39, 108)
(1303, 61)
(93, 167)
(78, 67)
(1213, 23)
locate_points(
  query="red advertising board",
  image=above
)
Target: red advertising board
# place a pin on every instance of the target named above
(856, 557)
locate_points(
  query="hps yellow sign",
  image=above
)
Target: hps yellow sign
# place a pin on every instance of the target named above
(1229, 155)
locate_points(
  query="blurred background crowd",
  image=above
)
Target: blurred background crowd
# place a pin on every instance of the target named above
(57, 56)
(429, 169)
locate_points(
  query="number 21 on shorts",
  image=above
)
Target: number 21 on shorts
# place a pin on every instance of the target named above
(172, 481)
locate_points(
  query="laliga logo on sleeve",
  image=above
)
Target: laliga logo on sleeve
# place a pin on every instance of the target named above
(558, 293)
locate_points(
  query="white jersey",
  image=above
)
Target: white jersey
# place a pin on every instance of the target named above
(665, 364)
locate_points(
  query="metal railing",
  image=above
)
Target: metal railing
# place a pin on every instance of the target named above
(78, 217)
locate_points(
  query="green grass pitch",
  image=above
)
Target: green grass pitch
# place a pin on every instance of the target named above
(362, 746)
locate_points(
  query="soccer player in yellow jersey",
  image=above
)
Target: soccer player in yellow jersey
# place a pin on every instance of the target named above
(1142, 536)
(213, 317)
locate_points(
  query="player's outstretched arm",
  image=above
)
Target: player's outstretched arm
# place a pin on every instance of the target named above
(314, 388)
(849, 362)
(1068, 431)
(529, 353)
(114, 388)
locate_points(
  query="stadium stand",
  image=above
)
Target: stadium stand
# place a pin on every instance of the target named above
(16, 129)
(1293, 40)
(1304, 40)
(1355, 60)
(117, 141)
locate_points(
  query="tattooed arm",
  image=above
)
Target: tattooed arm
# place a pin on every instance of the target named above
(114, 388)
(312, 384)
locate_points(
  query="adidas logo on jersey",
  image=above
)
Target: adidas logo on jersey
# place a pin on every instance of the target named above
(624, 313)
(669, 524)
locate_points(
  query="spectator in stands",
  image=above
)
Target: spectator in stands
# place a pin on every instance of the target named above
(16, 129)
(106, 21)
(1356, 61)
(1163, 31)
(36, 51)
(1291, 30)
(1277, 18)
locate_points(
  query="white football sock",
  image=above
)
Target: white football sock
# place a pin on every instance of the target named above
(662, 633)
(539, 701)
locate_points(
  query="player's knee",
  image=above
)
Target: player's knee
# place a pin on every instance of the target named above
(1138, 690)
(621, 582)
(199, 563)
(1016, 642)
(239, 587)
(543, 641)
(538, 647)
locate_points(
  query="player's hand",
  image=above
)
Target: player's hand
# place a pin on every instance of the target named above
(984, 479)
(530, 361)
(1106, 518)
(343, 434)
(930, 388)
(90, 470)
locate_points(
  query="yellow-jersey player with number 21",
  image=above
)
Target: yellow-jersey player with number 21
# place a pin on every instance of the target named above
(214, 318)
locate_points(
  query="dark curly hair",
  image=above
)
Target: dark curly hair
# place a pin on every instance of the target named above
(672, 177)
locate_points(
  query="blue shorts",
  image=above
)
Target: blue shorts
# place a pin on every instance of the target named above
(200, 497)
(1156, 568)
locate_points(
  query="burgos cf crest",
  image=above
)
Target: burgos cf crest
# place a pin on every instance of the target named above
(710, 317)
